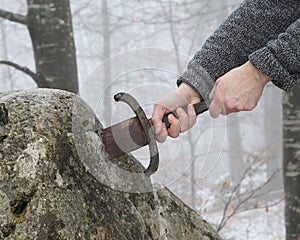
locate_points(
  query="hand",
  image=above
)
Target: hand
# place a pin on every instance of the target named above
(238, 90)
(184, 95)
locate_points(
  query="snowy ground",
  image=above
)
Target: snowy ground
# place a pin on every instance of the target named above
(255, 224)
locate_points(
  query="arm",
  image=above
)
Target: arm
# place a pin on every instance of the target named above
(246, 31)
(243, 36)
(280, 58)
(238, 90)
(241, 88)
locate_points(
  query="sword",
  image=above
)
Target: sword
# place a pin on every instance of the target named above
(137, 132)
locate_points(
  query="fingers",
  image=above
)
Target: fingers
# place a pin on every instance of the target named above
(224, 103)
(180, 97)
(220, 105)
(161, 132)
(178, 125)
(213, 91)
(216, 106)
(174, 129)
(160, 129)
(238, 90)
(185, 121)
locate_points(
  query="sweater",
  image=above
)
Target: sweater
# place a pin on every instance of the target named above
(266, 32)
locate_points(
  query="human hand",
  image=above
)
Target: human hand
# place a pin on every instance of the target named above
(183, 95)
(238, 90)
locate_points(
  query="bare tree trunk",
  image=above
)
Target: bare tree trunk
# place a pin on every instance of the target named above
(106, 56)
(236, 155)
(173, 33)
(291, 162)
(5, 55)
(193, 170)
(273, 121)
(50, 26)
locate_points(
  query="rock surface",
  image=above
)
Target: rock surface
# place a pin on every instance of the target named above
(56, 181)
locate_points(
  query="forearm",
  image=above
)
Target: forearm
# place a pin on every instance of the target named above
(246, 30)
(280, 58)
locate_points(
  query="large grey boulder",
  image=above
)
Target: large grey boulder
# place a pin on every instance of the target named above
(56, 181)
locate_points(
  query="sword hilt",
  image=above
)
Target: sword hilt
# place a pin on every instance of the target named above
(199, 108)
(147, 128)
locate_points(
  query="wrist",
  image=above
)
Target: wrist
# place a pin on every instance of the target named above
(259, 76)
(189, 93)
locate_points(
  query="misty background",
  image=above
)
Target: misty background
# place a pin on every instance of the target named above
(229, 169)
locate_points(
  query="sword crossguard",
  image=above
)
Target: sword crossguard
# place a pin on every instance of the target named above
(147, 128)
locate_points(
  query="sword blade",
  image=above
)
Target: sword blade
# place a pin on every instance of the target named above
(124, 137)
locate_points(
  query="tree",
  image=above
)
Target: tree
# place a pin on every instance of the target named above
(49, 23)
(273, 132)
(235, 147)
(105, 23)
(5, 54)
(291, 162)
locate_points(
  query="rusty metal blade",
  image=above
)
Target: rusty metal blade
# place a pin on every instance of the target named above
(124, 137)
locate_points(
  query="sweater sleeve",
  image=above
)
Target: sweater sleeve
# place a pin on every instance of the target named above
(247, 34)
(280, 58)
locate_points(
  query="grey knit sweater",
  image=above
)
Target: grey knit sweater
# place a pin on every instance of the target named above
(266, 32)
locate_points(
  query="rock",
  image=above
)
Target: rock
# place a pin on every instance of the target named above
(56, 181)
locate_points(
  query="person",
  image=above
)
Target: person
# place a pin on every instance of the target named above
(258, 43)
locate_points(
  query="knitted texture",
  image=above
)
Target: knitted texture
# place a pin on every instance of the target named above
(266, 32)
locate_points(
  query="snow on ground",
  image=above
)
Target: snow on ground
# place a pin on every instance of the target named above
(257, 224)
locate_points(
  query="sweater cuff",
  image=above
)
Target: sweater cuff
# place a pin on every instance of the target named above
(265, 61)
(198, 78)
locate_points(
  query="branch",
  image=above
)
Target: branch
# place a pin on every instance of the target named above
(247, 196)
(40, 80)
(14, 17)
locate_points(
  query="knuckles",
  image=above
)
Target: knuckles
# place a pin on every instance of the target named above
(250, 107)
(236, 106)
